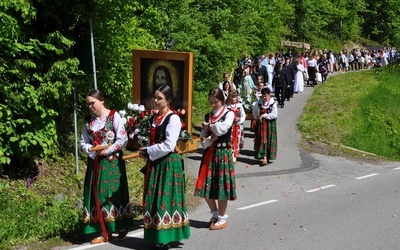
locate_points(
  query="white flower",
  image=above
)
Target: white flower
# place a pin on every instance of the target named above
(130, 106)
(122, 113)
(141, 108)
(110, 135)
(135, 106)
(131, 136)
(137, 131)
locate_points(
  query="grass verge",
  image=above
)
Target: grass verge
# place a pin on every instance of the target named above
(357, 110)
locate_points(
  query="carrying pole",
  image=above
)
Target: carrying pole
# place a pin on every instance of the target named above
(93, 58)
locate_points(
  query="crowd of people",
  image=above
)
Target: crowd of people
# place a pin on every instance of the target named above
(288, 73)
(165, 215)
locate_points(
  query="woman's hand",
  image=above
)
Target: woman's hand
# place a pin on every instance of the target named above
(143, 153)
(214, 137)
(102, 152)
(205, 125)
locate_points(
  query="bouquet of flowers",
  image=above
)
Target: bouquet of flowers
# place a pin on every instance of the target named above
(248, 104)
(184, 135)
(137, 123)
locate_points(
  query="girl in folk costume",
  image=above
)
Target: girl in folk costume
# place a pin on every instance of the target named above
(226, 89)
(216, 181)
(165, 216)
(237, 127)
(106, 197)
(265, 136)
(259, 86)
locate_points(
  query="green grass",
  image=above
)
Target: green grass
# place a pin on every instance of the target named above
(358, 110)
(32, 218)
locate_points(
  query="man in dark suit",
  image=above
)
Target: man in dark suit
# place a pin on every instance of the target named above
(280, 83)
(261, 70)
(290, 74)
(238, 74)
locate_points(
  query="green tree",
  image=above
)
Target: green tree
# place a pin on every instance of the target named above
(327, 20)
(36, 82)
(382, 22)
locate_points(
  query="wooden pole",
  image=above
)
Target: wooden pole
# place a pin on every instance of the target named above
(99, 148)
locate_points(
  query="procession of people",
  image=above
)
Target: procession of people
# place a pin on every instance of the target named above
(259, 88)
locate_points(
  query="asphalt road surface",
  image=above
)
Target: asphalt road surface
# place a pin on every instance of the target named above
(301, 201)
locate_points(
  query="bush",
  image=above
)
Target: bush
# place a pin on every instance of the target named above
(33, 212)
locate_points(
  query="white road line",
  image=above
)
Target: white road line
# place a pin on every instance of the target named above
(365, 176)
(320, 188)
(396, 168)
(136, 234)
(257, 204)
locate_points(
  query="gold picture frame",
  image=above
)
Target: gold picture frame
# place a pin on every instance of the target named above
(178, 72)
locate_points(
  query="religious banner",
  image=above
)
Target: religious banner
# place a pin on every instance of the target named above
(296, 45)
(153, 67)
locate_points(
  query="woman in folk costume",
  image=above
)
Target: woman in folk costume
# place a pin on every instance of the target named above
(259, 86)
(106, 197)
(165, 216)
(216, 181)
(237, 127)
(265, 135)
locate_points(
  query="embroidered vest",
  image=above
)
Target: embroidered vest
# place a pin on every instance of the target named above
(223, 141)
(157, 134)
(100, 137)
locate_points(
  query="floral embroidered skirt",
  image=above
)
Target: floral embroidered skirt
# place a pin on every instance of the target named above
(237, 138)
(269, 148)
(220, 182)
(112, 193)
(165, 211)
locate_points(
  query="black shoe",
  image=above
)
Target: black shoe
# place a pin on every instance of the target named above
(161, 246)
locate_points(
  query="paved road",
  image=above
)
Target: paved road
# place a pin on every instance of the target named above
(302, 200)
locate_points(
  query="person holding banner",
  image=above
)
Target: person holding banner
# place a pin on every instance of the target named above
(165, 210)
(216, 180)
(106, 196)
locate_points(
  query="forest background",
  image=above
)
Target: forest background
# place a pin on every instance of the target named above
(45, 58)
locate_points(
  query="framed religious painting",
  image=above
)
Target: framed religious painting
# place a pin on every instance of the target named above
(154, 67)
